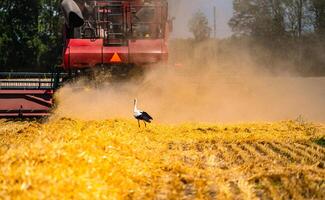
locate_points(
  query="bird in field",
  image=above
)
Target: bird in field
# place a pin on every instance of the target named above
(141, 115)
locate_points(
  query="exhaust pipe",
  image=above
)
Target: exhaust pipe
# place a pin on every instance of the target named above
(72, 14)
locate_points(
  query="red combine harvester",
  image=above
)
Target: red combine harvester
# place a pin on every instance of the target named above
(117, 35)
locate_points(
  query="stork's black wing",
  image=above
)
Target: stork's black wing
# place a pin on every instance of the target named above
(145, 116)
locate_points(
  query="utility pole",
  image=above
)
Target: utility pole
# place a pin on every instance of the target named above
(215, 22)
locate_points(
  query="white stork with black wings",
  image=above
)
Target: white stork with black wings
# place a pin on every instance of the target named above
(141, 115)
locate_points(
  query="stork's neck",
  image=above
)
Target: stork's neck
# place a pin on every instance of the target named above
(135, 106)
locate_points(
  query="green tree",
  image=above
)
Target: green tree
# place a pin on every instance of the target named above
(199, 26)
(50, 33)
(258, 18)
(318, 8)
(30, 34)
(298, 17)
(285, 29)
(19, 26)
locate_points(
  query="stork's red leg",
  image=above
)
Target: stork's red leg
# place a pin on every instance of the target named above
(139, 123)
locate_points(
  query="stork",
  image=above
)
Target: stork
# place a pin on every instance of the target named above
(141, 115)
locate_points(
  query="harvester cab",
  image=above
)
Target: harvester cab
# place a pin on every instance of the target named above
(98, 32)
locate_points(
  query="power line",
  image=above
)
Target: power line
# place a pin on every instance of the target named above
(215, 22)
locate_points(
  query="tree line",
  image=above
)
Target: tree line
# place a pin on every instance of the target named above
(291, 30)
(30, 34)
(278, 18)
(282, 35)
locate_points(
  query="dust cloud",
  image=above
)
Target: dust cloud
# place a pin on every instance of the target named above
(200, 85)
(212, 81)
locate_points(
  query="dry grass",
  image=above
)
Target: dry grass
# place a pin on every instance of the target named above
(114, 159)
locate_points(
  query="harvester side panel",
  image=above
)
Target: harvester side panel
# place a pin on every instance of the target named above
(147, 51)
(25, 94)
(83, 53)
(25, 103)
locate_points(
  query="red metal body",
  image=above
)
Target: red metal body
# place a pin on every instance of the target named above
(25, 103)
(85, 53)
(27, 94)
(116, 29)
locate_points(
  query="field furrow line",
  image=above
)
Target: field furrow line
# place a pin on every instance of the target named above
(253, 151)
(311, 158)
(311, 152)
(259, 149)
(239, 159)
(320, 150)
(294, 154)
(245, 156)
(228, 154)
(269, 153)
(284, 153)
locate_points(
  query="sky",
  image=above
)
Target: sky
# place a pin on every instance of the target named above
(183, 10)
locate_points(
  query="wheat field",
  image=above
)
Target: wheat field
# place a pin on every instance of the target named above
(114, 159)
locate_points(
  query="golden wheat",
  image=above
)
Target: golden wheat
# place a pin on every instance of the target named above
(114, 159)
